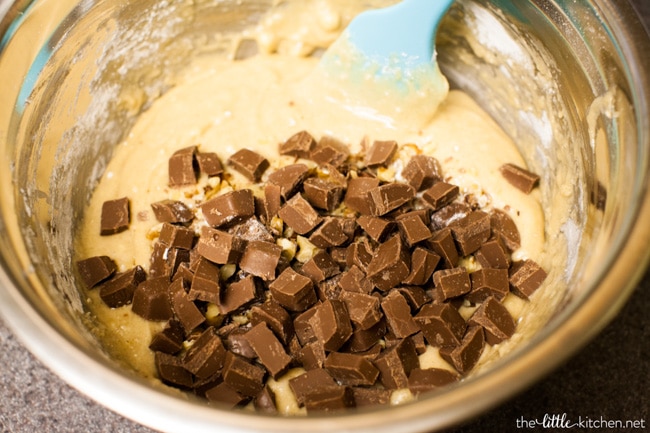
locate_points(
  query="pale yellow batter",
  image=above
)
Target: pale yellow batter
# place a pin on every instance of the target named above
(224, 105)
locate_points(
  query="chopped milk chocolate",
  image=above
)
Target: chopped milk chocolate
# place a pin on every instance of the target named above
(385, 198)
(116, 216)
(495, 319)
(380, 153)
(289, 178)
(520, 178)
(526, 277)
(293, 291)
(172, 211)
(151, 299)
(94, 270)
(322, 194)
(183, 167)
(332, 269)
(298, 214)
(421, 172)
(299, 145)
(209, 163)
(230, 208)
(261, 258)
(251, 164)
(119, 290)
(465, 356)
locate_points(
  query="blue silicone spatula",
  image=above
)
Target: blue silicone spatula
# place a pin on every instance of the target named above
(402, 34)
(384, 65)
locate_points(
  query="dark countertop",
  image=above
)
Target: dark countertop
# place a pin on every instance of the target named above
(607, 380)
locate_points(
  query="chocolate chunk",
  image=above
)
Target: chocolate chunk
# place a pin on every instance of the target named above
(488, 282)
(269, 205)
(356, 196)
(495, 319)
(172, 211)
(264, 401)
(151, 299)
(226, 395)
(120, 289)
(242, 375)
(312, 356)
(442, 242)
(302, 326)
(427, 379)
(269, 350)
(289, 178)
(380, 153)
(329, 399)
(299, 145)
(239, 294)
(275, 317)
(386, 198)
(413, 230)
(164, 261)
(94, 270)
(366, 342)
(520, 178)
(237, 343)
(329, 234)
(251, 164)
(398, 315)
(359, 254)
(375, 227)
(320, 267)
(298, 214)
(471, 232)
(440, 194)
(390, 264)
(506, 228)
(452, 283)
(209, 163)
(493, 254)
(349, 369)
(415, 296)
(184, 309)
(293, 291)
(331, 151)
(176, 237)
(252, 230)
(169, 340)
(205, 284)
(441, 324)
(322, 194)
(423, 264)
(311, 382)
(261, 259)
(422, 171)
(219, 247)
(363, 309)
(464, 357)
(526, 277)
(230, 208)
(183, 168)
(331, 324)
(396, 363)
(354, 280)
(171, 371)
(207, 354)
(449, 214)
(364, 397)
(115, 217)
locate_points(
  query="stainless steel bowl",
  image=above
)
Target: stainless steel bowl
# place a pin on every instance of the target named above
(570, 81)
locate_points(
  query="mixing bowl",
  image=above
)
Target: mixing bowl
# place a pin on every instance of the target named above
(568, 81)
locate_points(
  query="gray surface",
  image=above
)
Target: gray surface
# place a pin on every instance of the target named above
(608, 379)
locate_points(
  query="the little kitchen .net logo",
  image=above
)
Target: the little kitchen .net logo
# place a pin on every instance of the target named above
(562, 421)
